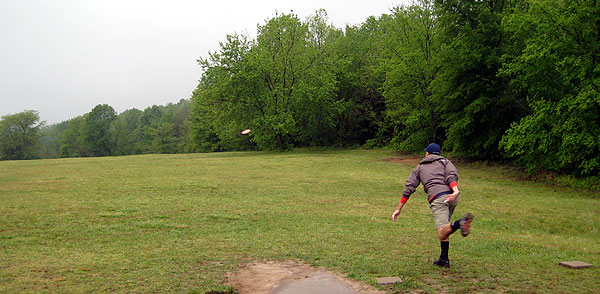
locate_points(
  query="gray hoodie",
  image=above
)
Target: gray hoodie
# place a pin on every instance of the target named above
(435, 172)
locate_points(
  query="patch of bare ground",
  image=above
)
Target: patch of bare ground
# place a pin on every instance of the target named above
(411, 161)
(289, 277)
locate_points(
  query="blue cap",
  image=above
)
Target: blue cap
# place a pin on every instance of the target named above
(433, 148)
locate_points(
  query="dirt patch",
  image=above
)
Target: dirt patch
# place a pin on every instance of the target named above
(293, 278)
(411, 161)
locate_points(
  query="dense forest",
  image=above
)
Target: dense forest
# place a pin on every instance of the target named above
(511, 80)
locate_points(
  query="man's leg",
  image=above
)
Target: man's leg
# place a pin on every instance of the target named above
(444, 235)
(442, 212)
(445, 232)
(441, 215)
(464, 224)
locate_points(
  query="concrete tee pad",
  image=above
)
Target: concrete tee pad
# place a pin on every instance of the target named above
(385, 281)
(576, 264)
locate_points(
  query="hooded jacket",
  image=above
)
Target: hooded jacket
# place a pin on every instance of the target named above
(437, 174)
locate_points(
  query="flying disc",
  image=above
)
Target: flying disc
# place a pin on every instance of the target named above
(244, 132)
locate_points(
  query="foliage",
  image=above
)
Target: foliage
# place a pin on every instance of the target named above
(559, 71)
(101, 132)
(72, 142)
(222, 103)
(410, 39)
(124, 130)
(281, 86)
(20, 135)
(87, 135)
(201, 136)
(96, 131)
(51, 137)
(478, 105)
(163, 138)
(359, 80)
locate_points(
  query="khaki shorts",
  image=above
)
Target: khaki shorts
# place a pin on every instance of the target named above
(442, 212)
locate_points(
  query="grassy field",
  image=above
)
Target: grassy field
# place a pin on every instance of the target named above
(178, 223)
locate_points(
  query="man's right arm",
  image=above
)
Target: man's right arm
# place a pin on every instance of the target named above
(398, 210)
(411, 185)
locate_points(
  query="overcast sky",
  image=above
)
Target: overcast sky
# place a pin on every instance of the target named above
(63, 57)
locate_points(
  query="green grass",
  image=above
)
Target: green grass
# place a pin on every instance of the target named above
(178, 223)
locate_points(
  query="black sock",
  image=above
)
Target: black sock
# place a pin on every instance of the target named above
(444, 245)
(455, 225)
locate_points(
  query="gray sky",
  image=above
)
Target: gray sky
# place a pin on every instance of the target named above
(63, 57)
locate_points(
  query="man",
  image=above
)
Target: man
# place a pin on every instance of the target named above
(440, 181)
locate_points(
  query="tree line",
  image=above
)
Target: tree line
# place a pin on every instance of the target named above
(495, 80)
(103, 132)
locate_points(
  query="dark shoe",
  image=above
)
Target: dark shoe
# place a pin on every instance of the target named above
(465, 224)
(442, 263)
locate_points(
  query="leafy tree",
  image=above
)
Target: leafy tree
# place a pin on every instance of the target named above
(410, 41)
(558, 70)
(149, 118)
(201, 136)
(96, 133)
(226, 98)
(177, 115)
(157, 129)
(282, 86)
(359, 83)
(316, 108)
(478, 106)
(124, 128)
(51, 139)
(72, 141)
(163, 138)
(20, 135)
(285, 62)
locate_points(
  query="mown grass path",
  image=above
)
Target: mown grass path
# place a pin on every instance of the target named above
(178, 223)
